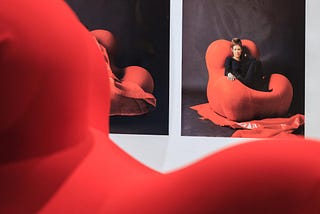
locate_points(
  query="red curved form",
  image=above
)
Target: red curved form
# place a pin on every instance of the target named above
(132, 93)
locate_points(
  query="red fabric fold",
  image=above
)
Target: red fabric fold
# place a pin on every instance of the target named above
(268, 127)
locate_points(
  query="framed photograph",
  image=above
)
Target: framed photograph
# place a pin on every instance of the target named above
(138, 56)
(240, 107)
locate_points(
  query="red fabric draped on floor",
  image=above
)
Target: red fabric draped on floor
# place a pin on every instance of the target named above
(268, 127)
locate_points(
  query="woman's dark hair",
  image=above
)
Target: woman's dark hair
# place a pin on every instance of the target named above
(236, 41)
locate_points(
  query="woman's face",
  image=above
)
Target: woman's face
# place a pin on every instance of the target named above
(236, 51)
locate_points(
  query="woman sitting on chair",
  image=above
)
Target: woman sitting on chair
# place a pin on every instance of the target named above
(242, 66)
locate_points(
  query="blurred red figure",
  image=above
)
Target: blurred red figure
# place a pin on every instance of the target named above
(132, 94)
(56, 155)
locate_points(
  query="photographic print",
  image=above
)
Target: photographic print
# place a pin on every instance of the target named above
(134, 38)
(243, 68)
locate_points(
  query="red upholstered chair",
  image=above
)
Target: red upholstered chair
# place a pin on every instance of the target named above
(131, 87)
(56, 155)
(236, 101)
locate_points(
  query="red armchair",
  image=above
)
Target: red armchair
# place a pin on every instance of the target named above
(236, 101)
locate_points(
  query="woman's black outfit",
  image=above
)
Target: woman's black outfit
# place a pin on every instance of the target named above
(248, 71)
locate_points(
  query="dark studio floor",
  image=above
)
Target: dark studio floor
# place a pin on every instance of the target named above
(192, 125)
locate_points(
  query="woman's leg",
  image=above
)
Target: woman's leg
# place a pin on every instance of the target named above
(254, 77)
(252, 72)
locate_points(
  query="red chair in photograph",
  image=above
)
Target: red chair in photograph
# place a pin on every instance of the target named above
(236, 101)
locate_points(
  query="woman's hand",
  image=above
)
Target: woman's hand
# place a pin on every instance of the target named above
(231, 77)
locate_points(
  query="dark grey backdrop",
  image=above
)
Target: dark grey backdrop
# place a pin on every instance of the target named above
(142, 30)
(277, 27)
